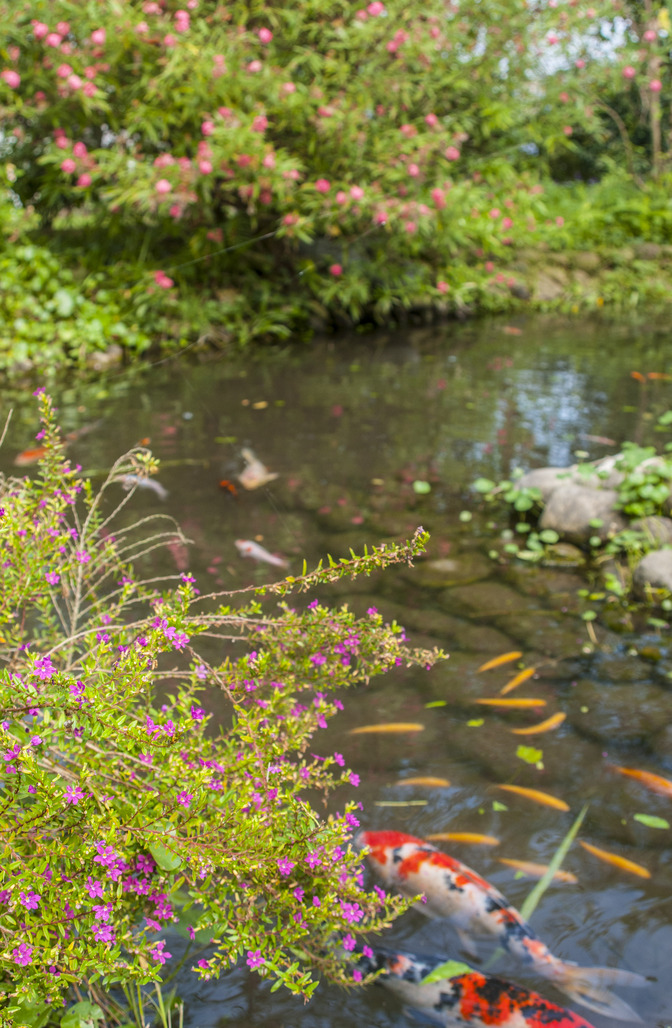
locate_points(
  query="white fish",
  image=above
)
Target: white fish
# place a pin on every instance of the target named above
(255, 474)
(246, 548)
(130, 481)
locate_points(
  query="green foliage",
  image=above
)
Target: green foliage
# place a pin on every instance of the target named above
(646, 486)
(126, 805)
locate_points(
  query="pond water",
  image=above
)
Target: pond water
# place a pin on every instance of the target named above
(349, 427)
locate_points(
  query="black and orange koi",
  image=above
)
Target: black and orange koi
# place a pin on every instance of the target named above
(452, 890)
(470, 997)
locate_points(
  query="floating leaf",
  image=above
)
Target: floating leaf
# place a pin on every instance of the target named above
(426, 780)
(504, 658)
(496, 805)
(616, 861)
(451, 969)
(484, 485)
(515, 704)
(421, 488)
(530, 754)
(544, 798)
(554, 721)
(400, 803)
(391, 728)
(518, 680)
(470, 837)
(528, 867)
(475, 723)
(656, 783)
(436, 703)
(651, 821)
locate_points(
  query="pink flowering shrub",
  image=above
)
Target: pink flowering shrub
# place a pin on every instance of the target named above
(125, 801)
(313, 135)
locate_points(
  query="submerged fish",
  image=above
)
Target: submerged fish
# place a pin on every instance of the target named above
(452, 890)
(247, 548)
(255, 474)
(656, 783)
(133, 481)
(468, 997)
(30, 456)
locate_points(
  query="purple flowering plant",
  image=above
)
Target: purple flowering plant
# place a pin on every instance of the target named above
(135, 814)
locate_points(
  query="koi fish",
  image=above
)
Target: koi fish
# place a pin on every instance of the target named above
(452, 890)
(663, 786)
(135, 481)
(30, 456)
(255, 474)
(467, 997)
(247, 548)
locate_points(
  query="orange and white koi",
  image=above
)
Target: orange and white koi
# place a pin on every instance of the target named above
(247, 548)
(452, 890)
(255, 474)
(466, 997)
(136, 481)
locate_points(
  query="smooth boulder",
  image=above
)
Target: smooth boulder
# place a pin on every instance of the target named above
(571, 509)
(654, 570)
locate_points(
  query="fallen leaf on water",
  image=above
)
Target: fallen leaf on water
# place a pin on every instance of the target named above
(613, 858)
(391, 727)
(521, 704)
(428, 780)
(651, 821)
(518, 680)
(504, 658)
(511, 330)
(544, 798)
(260, 405)
(528, 867)
(530, 754)
(400, 803)
(656, 783)
(544, 726)
(474, 837)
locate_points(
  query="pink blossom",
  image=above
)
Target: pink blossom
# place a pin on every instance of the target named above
(63, 27)
(629, 72)
(564, 98)
(40, 30)
(142, 28)
(254, 66)
(265, 35)
(580, 63)
(408, 131)
(63, 71)
(560, 220)
(244, 160)
(79, 150)
(169, 40)
(207, 128)
(336, 270)
(443, 287)
(74, 82)
(376, 8)
(205, 167)
(494, 212)
(322, 185)
(413, 170)
(163, 186)
(98, 37)
(269, 160)
(356, 192)
(260, 123)
(451, 153)
(12, 78)
(181, 23)
(175, 211)
(655, 85)
(162, 280)
(507, 222)
(288, 87)
(380, 218)
(431, 120)
(53, 39)
(341, 197)
(90, 72)
(290, 219)
(410, 227)
(151, 7)
(62, 142)
(439, 198)
(567, 129)
(552, 39)
(650, 35)
(84, 180)
(361, 16)
(489, 267)
(68, 166)
(192, 4)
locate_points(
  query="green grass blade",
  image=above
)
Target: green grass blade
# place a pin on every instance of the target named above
(532, 901)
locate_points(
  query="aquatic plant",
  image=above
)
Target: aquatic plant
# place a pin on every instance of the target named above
(158, 746)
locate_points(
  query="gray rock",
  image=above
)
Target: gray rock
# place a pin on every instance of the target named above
(443, 572)
(101, 360)
(602, 474)
(654, 570)
(656, 529)
(546, 480)
(551, 284)
(618, 713)
(587, 260)
(571, 509)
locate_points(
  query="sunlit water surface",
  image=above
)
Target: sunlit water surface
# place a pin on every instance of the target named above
(350, 426)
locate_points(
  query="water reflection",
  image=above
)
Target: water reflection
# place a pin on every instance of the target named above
(350, 427)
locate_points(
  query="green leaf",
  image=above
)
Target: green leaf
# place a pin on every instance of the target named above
(548, 535)
(436, 703)
(65, 303)
(532, 901)
(530, 754)
(496, 805)
(165, 858)
(651, 821)
(476, 722)
(82, 1015)
(421, 488)
(484, 485)
(450, 969)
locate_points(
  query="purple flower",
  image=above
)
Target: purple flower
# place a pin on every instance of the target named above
(30, 900)
(298, 892)
(357, 975)
(368, 952)
(94, 888)
(353, 778)
(201, 672)
(23, 954)
(184, 798)
(338, 758)
(312, 860)
(104, 933)
(313, 604)
(348, 942)
(285, 866)
(316, 901)
(317, 659)
(82, 556)
(371, 611)
(35, 741)
(73, 794)
(254, 959)
(158, 955)
(192, 932)
(52, 577)
(197, 713)
(102, 911)
(44, 668)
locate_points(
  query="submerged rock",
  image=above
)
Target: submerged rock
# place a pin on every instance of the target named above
(572, 508)
(657, 529)
(546, 480)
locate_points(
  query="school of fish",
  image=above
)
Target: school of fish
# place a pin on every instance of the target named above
(449, 889)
